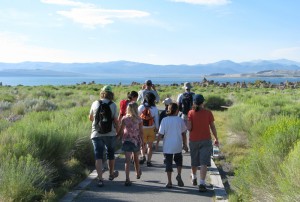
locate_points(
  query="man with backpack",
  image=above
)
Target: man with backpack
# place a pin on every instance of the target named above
(185, 103)
(147, 87)
(103, 114)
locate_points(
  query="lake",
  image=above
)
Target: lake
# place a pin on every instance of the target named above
(111, 79)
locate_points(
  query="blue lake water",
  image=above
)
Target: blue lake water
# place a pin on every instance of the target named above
(36, 81)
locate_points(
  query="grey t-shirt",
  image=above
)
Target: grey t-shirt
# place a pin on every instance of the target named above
(93, 111)
(142, 94)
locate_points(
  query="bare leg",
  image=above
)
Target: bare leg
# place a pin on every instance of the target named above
(203, 171)
(150, 151)
(111, 165)
(136, 162)
(127, 165)
(169, 174)
(98, 165)
(179, 168)
(194, 170)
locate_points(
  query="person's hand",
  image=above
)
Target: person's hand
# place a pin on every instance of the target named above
(185, 148)
(144, 87)
(153, 87)
(216, 142)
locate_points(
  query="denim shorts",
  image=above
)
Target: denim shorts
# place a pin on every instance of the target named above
(130, 147)
(200, 152)
(102, 143)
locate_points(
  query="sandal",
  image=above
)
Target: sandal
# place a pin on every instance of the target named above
(138, 176)
(114, 175)
(179, 180)
(169, 185)
(100, 183)
(128, 183)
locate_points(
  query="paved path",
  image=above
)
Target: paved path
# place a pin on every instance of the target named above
(151, 186)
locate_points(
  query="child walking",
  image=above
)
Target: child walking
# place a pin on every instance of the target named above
(173, 128)
(131, 131)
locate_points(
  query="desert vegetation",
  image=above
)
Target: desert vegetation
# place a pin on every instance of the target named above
(45, 147)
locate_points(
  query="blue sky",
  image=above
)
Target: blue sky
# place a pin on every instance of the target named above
(149, 31)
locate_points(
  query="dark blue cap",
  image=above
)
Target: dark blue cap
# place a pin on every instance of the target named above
(198, 99)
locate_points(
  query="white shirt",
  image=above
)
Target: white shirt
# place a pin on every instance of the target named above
(154, 114)
(172, 128)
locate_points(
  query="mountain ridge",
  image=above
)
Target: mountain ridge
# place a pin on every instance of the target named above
(226, 67)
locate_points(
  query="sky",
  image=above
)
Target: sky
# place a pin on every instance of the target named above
(149, 31)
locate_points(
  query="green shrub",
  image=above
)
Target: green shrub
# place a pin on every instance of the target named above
(258, 178)
(215, 103)
(24, 178)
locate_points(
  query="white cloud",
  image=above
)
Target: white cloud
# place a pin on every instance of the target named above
(91, 16)
(205, 2)
(291, 53)
(66, 3)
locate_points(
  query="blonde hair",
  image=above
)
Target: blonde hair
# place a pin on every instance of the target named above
(132, 110)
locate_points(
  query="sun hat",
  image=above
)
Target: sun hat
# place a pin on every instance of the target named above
(148, 82)
(107, 88)
(167, 101)
(198, 99)
(187, 85)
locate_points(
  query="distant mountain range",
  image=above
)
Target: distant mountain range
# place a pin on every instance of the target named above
(225, 67)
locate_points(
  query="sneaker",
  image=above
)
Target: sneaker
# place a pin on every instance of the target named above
(179, 180)
(100, 183)
(149, 164)
(169, 186)
(128, 183)
(193, 181)
(114, 175)
(142, 160)
(202, 188)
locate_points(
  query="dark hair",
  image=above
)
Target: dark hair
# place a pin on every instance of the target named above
(172, 108)
(132, 94)
(196, 106)
(150, 99)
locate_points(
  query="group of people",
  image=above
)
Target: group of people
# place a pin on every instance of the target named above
(138, 124)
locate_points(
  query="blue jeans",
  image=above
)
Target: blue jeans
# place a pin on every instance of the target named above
(100, 143)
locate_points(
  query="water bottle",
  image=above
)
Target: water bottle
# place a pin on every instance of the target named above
(216, 151)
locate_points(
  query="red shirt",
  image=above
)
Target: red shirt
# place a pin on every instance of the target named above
(200, 121)
(123, 106)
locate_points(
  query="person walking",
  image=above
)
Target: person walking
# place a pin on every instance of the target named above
(200, 124)
(131, 131)
(185, 102)
(172, 128)
(162, 115)
(147, 87)
(131, 97)
(103, 114)
(149, 114)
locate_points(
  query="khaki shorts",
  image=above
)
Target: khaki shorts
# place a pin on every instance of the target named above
(149, 135)
(200, 152)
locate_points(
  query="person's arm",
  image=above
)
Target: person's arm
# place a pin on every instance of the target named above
(91, 117)
(189, 125)
(184, 141)
(214, 132)
(141, 134)
(156, 120)
(121, 130)
(157, 141)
